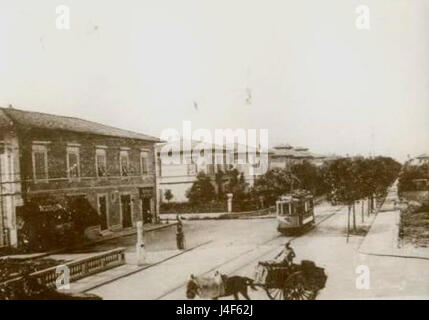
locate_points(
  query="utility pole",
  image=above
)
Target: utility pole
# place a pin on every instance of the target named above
(140, 249)
(354, 216)
(348, 222)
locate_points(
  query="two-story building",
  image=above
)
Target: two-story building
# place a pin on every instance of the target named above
(178, 177)
(70, 159)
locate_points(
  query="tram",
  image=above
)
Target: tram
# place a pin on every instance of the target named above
(295, 212)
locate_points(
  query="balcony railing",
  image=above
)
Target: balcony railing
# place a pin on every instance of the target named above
(78, 269)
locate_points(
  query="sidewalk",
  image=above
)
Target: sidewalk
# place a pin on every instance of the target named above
(383, 237)
(152, 259)
(107, 236)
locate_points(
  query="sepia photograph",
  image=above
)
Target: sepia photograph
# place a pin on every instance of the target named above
(193, 150)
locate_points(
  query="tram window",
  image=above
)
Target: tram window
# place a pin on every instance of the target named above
(299, 208)
(306, 206)
(285, 208)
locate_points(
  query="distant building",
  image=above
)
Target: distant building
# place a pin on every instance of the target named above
(331, 157)
(285, 156)
(421, 159)
(421, 183)
(179, 177)
(70, 159)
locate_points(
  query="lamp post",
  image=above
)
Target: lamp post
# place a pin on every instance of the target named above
(229, 202)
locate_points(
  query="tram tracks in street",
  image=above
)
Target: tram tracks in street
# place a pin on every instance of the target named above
(249, 251)
(291, 239)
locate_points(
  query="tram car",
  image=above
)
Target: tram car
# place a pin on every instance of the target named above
(295, 212)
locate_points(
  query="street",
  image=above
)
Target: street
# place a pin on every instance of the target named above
(237, 245)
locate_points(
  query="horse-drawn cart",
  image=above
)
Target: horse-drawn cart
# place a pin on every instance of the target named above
(296, 282)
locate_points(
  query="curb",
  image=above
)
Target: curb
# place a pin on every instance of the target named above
(231, 218)
(128, 273)
(394, 255)
(127, 233)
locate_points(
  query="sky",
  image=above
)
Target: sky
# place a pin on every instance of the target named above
(300, 68)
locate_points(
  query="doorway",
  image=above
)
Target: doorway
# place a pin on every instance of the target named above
(102, 210)
(126, 211)
(146, 210)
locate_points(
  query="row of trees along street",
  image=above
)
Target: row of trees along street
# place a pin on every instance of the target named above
(354, 179)
(344, 181)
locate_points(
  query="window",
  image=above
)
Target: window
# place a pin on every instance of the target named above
(279, 208)
(124, 163)
(40, 162)
(100, 163)
(236, 157)
(220, 163)
(144, 162)
(73, 165)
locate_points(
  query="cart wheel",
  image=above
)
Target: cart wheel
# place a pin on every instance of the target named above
(276, 293)
(296, 289)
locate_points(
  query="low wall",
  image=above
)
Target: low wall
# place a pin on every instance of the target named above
(226, 215)
(78, 268)
(216, 215)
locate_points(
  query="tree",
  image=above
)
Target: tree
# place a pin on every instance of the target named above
(220, 180)
(168, 195)
(237, 185)
(273, 184)
(202, 190)
(340, 178)
(311, 177)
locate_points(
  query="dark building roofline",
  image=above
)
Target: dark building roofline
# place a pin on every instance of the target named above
(32, 119)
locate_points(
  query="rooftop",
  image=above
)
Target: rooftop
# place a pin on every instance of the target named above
(31, 119)
(423, 156)
(283, 146)
(286, 150)
(190, 145)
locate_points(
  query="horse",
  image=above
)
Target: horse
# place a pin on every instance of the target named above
(206, 287)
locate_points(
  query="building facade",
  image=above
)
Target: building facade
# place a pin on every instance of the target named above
(69, 159)
(284, 156)
(179, 177)
(422, 159)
